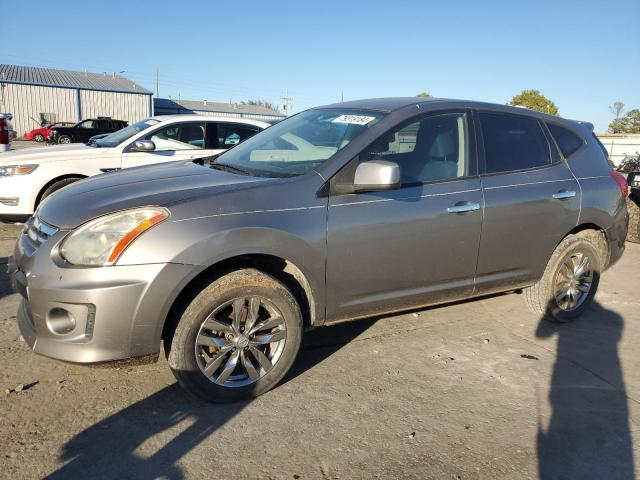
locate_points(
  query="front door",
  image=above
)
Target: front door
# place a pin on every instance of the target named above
(414, 245)
(178, 141)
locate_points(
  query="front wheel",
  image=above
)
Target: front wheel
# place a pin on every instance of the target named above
(39, 138)
(64, 139)
(237, 338)
(54, 187)
(571, 278)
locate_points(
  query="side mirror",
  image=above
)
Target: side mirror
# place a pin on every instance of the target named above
(376, 175)
(143, 146)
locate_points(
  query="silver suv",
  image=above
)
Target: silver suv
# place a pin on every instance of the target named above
(336, 213)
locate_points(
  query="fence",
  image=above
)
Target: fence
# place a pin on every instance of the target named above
(619, 145)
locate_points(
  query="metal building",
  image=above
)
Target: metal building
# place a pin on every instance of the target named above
(167, 106)
(36, 95)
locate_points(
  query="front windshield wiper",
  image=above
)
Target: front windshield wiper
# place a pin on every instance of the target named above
(228, 168)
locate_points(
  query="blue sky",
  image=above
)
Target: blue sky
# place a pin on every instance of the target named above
(584, 55)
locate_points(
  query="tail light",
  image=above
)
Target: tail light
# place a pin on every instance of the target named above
(622, 183)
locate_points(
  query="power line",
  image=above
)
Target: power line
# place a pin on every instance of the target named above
(287, 102)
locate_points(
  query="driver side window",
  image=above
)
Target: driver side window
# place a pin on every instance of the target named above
(184, 136)
(431, 149)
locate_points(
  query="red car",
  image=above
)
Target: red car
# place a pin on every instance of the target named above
(42, 133)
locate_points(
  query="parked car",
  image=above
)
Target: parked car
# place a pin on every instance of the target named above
(82, 131)
(97, 137)
(30, 175)
(40, 134)
(630, 166)
(336, 213)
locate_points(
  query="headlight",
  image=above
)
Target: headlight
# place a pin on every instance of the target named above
(11, 170)
(101, 241)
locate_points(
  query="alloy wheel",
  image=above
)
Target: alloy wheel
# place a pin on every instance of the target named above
(573, 281)
(240, 341)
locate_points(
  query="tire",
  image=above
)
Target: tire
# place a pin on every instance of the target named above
(64, 139)
(540, 297)
(633, 234)
(54, 187)
(195, 347)
(38, 138)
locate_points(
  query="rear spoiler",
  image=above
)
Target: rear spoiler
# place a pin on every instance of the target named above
(587, 125)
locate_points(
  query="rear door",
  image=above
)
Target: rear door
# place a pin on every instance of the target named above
(414, 245)
(85, 130)
(531, 200)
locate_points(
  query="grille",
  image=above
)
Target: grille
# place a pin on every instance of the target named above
(38, 231)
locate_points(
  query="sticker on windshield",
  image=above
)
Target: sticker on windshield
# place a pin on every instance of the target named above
(353, 119)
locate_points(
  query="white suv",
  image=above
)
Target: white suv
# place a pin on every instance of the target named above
(28, 176)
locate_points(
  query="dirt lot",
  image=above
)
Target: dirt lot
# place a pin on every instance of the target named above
(20, 144)
(479, 389)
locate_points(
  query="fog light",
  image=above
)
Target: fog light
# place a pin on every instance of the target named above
(60, 321)
(10, 202)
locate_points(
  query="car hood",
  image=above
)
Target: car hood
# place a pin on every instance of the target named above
(48, 154)
(162, 184)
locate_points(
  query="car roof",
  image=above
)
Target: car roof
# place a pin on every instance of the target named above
(210, 118)
(388, 105)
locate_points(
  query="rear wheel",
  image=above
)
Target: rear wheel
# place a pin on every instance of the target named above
(38, 137)
(571, 278)
(237, 338)
(634, 221)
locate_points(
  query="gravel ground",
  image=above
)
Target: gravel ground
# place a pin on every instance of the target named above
(478, 389)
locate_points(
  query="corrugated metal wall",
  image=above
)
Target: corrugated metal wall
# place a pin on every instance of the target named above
(120, 106)
(27, 102)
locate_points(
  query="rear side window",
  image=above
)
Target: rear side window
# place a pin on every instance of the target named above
(513, 143)
(230, 134)
(567, 141)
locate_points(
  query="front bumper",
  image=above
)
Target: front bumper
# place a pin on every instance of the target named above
(20, 189)
(112, 313)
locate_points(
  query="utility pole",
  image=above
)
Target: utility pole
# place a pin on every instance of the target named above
(286, 102)
(157, 83)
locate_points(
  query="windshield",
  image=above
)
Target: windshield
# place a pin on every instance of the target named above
(299, 143)
(116, 138)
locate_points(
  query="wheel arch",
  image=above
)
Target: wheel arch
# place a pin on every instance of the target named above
(278, 267)
(586, 229)
(51, 182)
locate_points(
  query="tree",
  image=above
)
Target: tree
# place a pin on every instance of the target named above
(630, 123)
(263, 103)
(534, 100)
(424, 94)
(616, 109)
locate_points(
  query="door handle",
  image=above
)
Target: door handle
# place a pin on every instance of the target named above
(462, 207)
(562, 194)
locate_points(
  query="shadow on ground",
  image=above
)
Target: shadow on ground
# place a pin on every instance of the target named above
(108, 449)
(588, 435)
